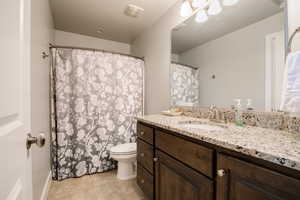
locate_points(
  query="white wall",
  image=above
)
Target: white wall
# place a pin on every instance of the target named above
(238, 61)
(155, 45)
(42, 34)
(78, 40)
(294, 21)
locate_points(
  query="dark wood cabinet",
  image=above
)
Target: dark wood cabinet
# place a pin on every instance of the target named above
(145, 181)
(145, 164)
(145, 133)
(176, 181)
(196, 156)
(145, 155)
(175, 167)
(239, 180)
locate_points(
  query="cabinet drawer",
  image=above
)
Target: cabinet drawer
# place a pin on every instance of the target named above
(145, 133)
(145, 155)
(145, 181)
(196, 156)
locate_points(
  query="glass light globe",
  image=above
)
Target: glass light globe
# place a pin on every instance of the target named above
(215, 7)
(201, 16)
(186, 9)
(230, 2)
(200, 4)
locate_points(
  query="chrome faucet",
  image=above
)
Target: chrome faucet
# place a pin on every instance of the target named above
(216, 116)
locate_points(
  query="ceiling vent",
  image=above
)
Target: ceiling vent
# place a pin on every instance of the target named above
(133, 11)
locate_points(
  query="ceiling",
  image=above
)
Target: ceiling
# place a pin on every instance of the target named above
(232, 18)
(87, 16)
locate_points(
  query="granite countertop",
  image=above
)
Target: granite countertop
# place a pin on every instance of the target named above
(280, 147)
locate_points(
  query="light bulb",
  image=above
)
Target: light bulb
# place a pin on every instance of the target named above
(201, 16)
(215, 8)
(230, 2)
(186, 9)
(200, 4)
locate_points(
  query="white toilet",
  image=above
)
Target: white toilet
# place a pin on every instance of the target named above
(125, 154)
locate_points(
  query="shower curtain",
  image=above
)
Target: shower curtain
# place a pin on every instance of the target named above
(184, 85)
(94, 98)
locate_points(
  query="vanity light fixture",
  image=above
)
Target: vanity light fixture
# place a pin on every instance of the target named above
(204, 8)
(215, 7)
(201, 4)
(230, 2)
(201, 16)
(186, 9)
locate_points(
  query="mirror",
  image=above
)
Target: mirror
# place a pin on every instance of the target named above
(237, 54)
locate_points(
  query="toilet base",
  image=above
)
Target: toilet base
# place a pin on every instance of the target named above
(126, 170)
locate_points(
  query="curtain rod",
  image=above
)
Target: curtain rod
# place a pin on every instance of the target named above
(91, 49)
(196, 68)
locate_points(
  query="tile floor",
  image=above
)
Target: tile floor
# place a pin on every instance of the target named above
(102, 186)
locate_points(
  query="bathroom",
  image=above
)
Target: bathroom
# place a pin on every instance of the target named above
(161, 99)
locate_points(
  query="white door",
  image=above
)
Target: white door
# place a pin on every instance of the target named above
(275, 64)
(15, 162)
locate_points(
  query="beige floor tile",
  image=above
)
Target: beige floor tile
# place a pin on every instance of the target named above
(102, 186)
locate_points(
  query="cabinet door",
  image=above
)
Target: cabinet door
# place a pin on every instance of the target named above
(239, 180)
(175, 181)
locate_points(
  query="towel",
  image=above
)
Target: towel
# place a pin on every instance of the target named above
(290, 100)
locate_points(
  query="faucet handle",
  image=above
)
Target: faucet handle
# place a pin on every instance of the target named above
(211, 107)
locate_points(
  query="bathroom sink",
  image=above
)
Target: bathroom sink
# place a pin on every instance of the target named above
(202, 126)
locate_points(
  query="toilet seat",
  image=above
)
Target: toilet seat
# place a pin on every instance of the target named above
(124, 149)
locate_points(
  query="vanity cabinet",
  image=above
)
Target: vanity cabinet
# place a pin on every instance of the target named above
(175, 167)
(242, 180)
(145, 156)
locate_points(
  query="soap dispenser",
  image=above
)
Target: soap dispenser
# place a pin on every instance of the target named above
(238, 113)
(249, 104)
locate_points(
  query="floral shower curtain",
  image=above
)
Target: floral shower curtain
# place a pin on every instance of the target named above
(184, 85)
(94, 98)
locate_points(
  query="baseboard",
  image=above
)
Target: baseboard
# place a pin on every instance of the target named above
(46, 187)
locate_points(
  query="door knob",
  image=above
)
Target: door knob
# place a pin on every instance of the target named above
(39, 140)
(221, 172)
(142, 132)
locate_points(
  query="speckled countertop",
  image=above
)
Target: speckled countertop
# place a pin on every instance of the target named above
(279, 147)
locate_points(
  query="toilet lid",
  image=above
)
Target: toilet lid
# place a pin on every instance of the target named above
(128, 148)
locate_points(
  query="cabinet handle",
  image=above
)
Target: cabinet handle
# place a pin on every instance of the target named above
(142, 132)
(221, 172)
(142, 154)
(155, 159)
(142, 181)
